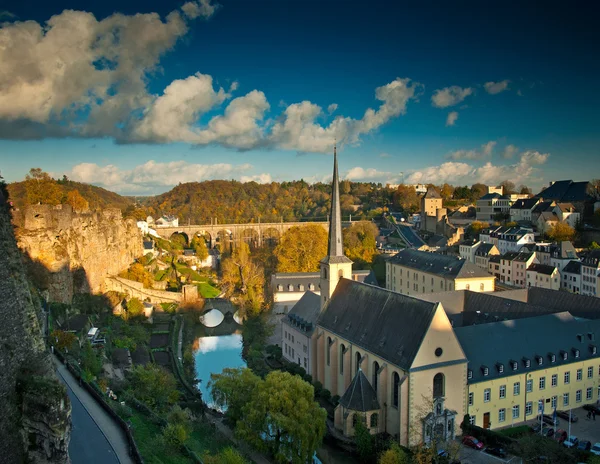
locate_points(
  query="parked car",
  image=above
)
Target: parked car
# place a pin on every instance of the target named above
(565, 415)
(472, 442)
(595, 449)
(548, 419)
(444, 456)
(571, 442)
(549, 432)
(584, 445)
(560, 436)
(495, 451)
(592, 407)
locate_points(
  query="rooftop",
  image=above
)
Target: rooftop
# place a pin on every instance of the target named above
(305, 313)
(573, 267)
(360, 395)
(435, 263)
(566, 191)
(542, 269)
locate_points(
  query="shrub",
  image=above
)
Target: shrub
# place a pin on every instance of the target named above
(175, 434)
(325, 394)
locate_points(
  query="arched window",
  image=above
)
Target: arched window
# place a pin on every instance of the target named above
(438, 385)
(301, 287)
(375, 376)
(395, 388)
(280, 288)
(357, 361)
(341, 273)
(324, 272)
(468, 287)
(290, 287)
(328, 351)
(374, 420)
(354, 420)
(481, 287)
(342, 349)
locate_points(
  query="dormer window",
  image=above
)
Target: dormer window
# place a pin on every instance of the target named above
(539, 360)
(552, 357)
(514, 365)
(564, 355)
(469, 374)
(575, 352)
(280, 288)
(485, 370)
(500, 367)
(290, 287)
(526, 362)
(580, 338)
(593, 349)
(590, 336)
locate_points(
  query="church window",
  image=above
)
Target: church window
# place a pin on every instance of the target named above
(325, 273)
(290, 287)
(328, 351)
(342, 349)
(438, 385)
(358, 360)
(301, 287)
(481, 287)
(374, 420)
(354, 420)
(341, 273)
(375, 375)
(395, 389)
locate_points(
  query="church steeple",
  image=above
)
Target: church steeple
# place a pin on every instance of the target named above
(335, 265)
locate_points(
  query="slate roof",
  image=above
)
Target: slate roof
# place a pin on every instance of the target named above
(484, 249)
(578, 305)
(563, 250)
(148, 244)
(528, 203)
(377, 319)
(549, 216)
(470, 242)
(566, 191)
(432, 193)
(573, 267)
(523, 256)
(435, 263)
(542, 206)
(501, 343)
(495, 259)
(306, 278)
(591, 258)
(304, 313)
(491, 196)
(360, 395)
(541, 269)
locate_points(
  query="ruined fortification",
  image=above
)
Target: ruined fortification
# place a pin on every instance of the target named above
(35, 413)
(70, 252)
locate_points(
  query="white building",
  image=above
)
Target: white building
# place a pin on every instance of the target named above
(571, 277)
(513, 239)
(468, 248)
(520, 211)
(297, 343)
(167, 221)
(567, 213)
(541, 275)
(590, 265)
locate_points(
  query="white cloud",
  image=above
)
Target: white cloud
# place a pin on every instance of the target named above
(534, 157)
(263, 178)
(509, 151)
(445, 172)
(452, 117)
(152, 176)
(484, 151)
(357, 173)
(202, 8)
(450, 96)
(496, 87)
(331, 108)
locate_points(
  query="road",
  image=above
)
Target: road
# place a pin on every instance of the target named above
(409, 235)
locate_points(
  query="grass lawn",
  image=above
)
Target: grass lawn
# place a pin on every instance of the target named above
(160, 275)
(205, 439)
(189, 273)
(207, 290)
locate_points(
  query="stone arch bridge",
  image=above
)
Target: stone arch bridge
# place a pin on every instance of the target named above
(255, 234)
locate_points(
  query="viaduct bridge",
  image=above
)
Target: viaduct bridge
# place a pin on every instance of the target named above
(255, 234)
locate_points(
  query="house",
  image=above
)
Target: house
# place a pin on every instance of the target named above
(298, 326)
(542, 275)
(468, 248)
(514, 238)
(412, 272)
(571, 276)
(546, 221)
(541, 207)
(491, 205)
(431, 205)
(519, 368)
(483, 253)
(561, 254)
(167, 221)
(492, 235)
(567, 213)
(520, 211)
(581, 195)
(521, 263)
(590, 265)
(494, 262)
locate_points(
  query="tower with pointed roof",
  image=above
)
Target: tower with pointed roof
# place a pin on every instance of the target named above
(335, 265)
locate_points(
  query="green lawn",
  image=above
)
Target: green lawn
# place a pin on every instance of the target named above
(207, 290)
(205, 438)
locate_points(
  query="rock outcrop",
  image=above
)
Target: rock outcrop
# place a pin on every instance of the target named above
(35, 412)
(73, 252)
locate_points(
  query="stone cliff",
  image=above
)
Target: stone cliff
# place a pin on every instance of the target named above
(35, 412)
(73, 252)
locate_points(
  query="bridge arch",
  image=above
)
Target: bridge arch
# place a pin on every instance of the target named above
(271, 236)
(224, 239)
(251, 237)
(208, 238)
(174, 237)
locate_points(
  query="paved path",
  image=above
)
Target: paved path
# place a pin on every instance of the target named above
(106, 427)
(180, 342)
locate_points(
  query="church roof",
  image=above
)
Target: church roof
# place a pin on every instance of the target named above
(360, 395)
(386, 323)
(566, 191)
(432, 193)
(305, 313)
(435, 263)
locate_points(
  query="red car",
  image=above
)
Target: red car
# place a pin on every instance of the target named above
(472, 442)
(560, 436)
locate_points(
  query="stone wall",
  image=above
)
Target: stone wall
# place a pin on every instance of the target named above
(24, 365)
(136, 290)
(72, 252)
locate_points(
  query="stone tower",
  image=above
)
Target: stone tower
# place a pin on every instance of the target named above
(335, 265)
(430, 203)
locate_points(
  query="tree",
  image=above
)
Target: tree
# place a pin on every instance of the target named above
(360, 242)
(508, 187)
(477, 226)
(301, 249)
(199, 246)
(363, 440)
(227, 456)
(41, 188)
(523, 189)
(78, 203)
(62, 340)
(134, 309)
(478, 190)
(244, 279)
(406, 198)
(394, 455)
(154, 386)
(283, 418)
(91, 361)
(561, 232)
(594, 246)
(138, 273)
(232, 388)
(446, 192)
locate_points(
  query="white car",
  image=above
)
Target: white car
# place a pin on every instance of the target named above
(596, 449)
(571, 442)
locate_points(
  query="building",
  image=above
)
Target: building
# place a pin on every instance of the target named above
(499, 190)
(590, 266)
(520, 264)
(561, 254)
(571, 277)
(520, 211)
(581, 195)
(167, 221)
(546, 221)
(491, 205)
(298, 344)
(492, 235)
(514, 238)
(412, 272)
(468, 248)
(494, 263)
(431, 210)
(542, 275)
(541, 207)
(519, 368)
(483, 253)
(567, 213)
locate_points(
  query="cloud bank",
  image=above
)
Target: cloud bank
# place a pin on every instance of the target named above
(450, 96)
(496, 87)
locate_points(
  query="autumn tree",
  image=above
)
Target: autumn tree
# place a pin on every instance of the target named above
(301, 249)
(406, 198)
(199, 246)
(523, 189)
(41, 188)
(62, 340)
(360, 242)
(561, 232)
(134, 309)
(394, 455)
(138, 273)
(446, 191)
(231, 390)
(154, 385)
(477, 226)
(78, 203)
(244, 279)
(478, 190)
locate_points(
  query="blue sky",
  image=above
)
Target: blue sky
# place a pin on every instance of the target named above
(139, 96)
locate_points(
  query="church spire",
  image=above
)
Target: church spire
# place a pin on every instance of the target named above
(335, 246)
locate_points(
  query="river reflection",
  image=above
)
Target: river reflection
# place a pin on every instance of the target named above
(212, 355)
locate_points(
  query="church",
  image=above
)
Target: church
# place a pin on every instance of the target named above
(390, 357)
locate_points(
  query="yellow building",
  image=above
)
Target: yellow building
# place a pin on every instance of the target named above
(413, 272)
(518, 368)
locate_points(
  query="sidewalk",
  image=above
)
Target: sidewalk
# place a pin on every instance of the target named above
(105, 423)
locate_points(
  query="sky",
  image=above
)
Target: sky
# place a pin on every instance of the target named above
(139, 96)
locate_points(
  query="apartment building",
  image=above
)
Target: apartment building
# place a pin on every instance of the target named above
(544, 276)
(514, 238)
(571, 277)
(483, 253)
(590, 267)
